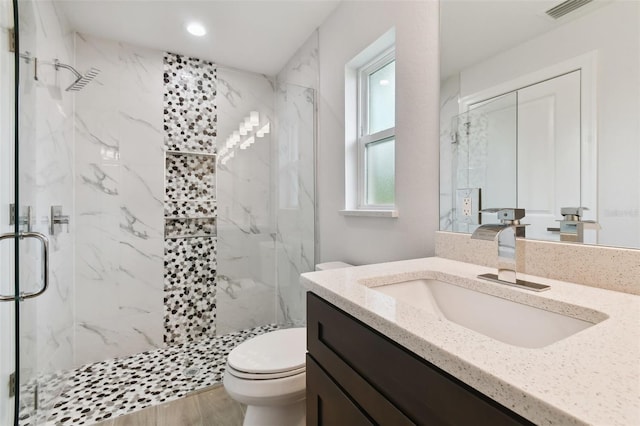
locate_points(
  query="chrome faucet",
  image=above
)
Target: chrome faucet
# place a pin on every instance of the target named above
(506, 233)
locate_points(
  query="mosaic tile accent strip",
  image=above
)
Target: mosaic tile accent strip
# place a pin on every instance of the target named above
(190, 118)
(190, 125)
(190, 177)
(190, 208)
(108, 389)
(179, 228)
(189, 289)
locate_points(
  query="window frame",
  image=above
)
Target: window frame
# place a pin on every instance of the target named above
(364, 137)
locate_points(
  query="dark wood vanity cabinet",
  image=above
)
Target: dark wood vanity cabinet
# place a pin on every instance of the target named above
(357, 376)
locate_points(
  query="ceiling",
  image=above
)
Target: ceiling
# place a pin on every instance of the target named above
(473, 30)
(253, 35)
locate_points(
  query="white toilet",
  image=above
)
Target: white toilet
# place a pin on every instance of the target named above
(268, 374)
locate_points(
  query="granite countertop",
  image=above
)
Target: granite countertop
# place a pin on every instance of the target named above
(591, 377)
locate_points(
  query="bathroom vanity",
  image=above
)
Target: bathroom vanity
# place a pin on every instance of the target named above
(344, 365)
(378, 356)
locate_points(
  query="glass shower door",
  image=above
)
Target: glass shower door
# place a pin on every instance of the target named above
(23, 243)
(295, 208)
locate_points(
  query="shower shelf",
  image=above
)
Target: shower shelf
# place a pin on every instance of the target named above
(177, 237)
(189, 217)
(203, 154)
(191, 200)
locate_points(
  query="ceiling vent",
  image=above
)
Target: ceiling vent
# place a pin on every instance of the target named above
(565, 7)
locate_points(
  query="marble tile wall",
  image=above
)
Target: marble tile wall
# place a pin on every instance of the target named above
(119, 201)
(190, 130)
(302, 68)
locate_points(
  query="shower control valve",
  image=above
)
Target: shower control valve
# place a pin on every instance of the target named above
(57, 220)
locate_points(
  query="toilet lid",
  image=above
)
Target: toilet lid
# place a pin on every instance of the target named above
(274, 352)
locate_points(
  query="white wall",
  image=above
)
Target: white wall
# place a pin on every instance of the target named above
(351, 28)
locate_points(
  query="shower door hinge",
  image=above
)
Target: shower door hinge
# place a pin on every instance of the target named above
(12, 384)
(12, 40)
(23, 220)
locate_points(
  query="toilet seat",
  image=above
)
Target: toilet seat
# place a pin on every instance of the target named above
(272, 355)
(264, 376)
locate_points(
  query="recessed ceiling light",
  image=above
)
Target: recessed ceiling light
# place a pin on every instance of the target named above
(196, 29)
(384, 82)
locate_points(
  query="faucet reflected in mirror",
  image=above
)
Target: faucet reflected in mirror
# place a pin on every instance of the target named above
(572, 226)
(506, 233)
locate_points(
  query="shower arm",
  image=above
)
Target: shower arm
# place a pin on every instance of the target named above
(57, 65)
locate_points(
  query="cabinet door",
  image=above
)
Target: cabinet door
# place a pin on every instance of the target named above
(327, 404)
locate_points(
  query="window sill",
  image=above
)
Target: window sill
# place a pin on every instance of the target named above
(370, 213)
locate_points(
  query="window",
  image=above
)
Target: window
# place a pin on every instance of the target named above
(376, 132)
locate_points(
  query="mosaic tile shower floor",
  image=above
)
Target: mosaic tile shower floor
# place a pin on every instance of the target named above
(111, 388)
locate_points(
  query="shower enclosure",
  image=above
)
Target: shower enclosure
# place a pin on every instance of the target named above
(99, 174)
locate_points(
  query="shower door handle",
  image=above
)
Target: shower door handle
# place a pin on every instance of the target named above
(45, 263)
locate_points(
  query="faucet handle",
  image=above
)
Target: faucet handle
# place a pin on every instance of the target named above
(506, 214)
(573, 211)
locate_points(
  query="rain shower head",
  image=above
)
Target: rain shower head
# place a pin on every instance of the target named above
(81, 79)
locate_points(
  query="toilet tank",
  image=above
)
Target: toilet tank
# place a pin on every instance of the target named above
(331, 265)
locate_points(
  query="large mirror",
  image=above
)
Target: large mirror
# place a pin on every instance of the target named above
(540, 109)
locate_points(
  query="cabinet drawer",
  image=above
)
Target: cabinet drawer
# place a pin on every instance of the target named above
(420, 390)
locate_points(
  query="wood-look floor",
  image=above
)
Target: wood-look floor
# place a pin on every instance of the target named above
(210, 407)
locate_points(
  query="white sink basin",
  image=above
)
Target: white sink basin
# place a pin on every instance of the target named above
(501, 319)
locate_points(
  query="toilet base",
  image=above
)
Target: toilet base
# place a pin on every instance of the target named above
(277, 415)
